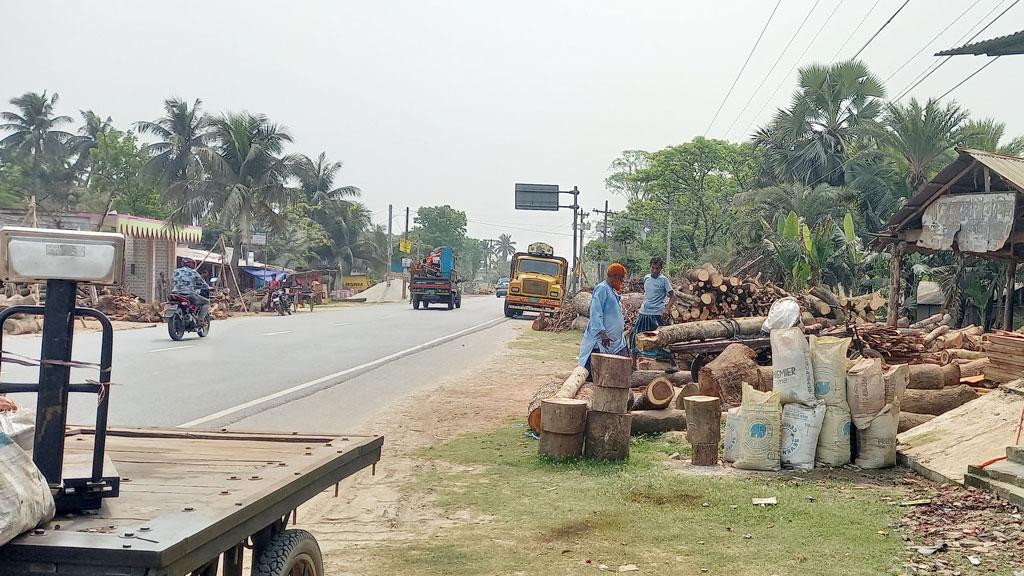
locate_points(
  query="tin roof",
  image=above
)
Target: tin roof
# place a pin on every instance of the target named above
(1001, 46)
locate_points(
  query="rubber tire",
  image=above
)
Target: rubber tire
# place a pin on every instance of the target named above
(415, 303)
(451, 302)
(280, 308)
(425, 304)
(458, 302)
(284, 550)
(174, 329)
(509, 313)
(204, 330)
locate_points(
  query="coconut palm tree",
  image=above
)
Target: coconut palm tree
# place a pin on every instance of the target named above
(923, 136)
(987, 134)
(35, 137)
(86, 140)
(183, 134)
(353, 238)
(316, 180)
(504, 248)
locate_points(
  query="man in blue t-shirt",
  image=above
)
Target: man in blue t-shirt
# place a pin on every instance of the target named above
(658, 300)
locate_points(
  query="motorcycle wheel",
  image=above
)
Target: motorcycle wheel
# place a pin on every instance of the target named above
(280, 308)
(204, 328)
(175, 329)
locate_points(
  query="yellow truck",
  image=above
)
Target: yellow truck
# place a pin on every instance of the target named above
(536, 281)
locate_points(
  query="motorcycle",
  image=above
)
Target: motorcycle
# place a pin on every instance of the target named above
(282, 302)
(182, 316)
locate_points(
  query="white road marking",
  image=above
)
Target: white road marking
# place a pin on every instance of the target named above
(172, 348)
(362, 367)
(276, 333)
(343, 324)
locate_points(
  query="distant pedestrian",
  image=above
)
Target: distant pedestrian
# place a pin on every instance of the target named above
(606, 326)
(659, 297)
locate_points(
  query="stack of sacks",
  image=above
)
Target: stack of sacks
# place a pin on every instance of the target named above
(828, 356)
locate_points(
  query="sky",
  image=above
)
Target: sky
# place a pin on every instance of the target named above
(433, 102)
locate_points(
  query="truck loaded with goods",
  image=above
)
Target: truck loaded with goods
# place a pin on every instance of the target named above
(435, 281)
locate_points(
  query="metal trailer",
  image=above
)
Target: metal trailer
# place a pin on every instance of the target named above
(152, 502)
(702, 352)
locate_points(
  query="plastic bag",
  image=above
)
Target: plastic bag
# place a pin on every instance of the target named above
(784, 313)
(792, 375)
(25, 499)
(800, 428)
(732, 424)
(828, 358)
(19, 426)
(759, 438)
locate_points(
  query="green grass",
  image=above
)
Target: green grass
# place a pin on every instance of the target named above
(541, 517)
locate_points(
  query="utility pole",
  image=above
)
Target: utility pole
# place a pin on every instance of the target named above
(575, 227)
(390, 245)
(406, 238)
(604, 233)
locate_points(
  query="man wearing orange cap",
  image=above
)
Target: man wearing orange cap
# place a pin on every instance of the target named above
(605, 330)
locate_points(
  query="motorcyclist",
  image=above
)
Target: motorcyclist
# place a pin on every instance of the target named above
(188, 282)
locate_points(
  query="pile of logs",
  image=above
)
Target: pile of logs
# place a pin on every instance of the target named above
(708, 294)
(128, 308)
(1005, 352)
(21, 323)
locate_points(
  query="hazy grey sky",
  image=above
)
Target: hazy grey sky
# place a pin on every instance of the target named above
(433, 102)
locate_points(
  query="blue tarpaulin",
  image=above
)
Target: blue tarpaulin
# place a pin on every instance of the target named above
(264, 276)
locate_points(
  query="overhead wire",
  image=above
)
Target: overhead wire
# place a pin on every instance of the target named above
(855, 30)
(744, 67)
(932, 41)
(973, 74)
(879, 31)
(777, 60)
(946, 59)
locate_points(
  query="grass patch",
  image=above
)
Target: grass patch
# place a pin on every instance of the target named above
(543, 517)
(549, 345)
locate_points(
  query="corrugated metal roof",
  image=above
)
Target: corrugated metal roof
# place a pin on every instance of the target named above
(1001, 46)
(1011, 168)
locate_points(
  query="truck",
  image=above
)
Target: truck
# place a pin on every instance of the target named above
(434, 280)
(537, 280)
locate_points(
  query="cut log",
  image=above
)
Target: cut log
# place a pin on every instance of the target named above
(933, 376)
(817, 305)
(937, 402)
(566, 389)
(698, 275)
(690, 389)
(656, 421)
(704, 428)
(611, 399)
(560, 446)
(656, 396)
(927, 321)
(909, 420)
(974, 367)
(611, 371)
(641, 378)
(951, 354)
(581, 303)
(653, 364)
(939, 331)
(540, 323)
(563, 415)
(704, 330)
(765, 380)
(724, 376)
(607, 435)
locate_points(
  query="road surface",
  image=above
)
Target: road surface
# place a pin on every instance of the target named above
(368, 355)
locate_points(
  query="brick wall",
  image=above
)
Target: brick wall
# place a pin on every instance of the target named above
(136, 266)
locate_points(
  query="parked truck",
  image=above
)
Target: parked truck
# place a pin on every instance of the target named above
(435, 281)
(537, 280)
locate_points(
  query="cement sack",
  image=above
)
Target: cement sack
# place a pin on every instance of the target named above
(896, 379)
(784, 313)
(792, 376)
(828, 359)
(876, 444)
(834, 440)
(865, 391)
(801, 426)
(732, 424)
(759, 437)
(25, 499)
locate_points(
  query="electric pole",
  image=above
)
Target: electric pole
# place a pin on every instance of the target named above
(604, 233)
(406, 238)
(390, 245)
(668, 236)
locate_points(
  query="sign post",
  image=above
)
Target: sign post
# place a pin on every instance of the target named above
(545, 197)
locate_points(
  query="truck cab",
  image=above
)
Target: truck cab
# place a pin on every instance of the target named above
(435, 281)
(537, 280)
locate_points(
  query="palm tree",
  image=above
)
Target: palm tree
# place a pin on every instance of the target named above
(504, 248)
(987, 134)
(923, 136)
(316, 179)
(183, 135)
(34, 134)
(86, 141)
(353, 239)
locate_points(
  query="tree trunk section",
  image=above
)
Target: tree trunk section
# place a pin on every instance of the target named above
(641, 378)
(608, 435)
(657, 421)
(563, 415)
(724, 376)
(910, 420)
(702, 330)
(581, 303)
(560, 446)
(656, 396)
(974, 367)
(952, 354)
(685, 392)
(933, 376)
(937, 402)
(611, 371)
(703, 428)
(566, 389)
(611, 399)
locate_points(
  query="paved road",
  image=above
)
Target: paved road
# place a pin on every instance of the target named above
(250, 365)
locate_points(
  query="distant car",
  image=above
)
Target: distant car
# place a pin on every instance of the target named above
(501, 288)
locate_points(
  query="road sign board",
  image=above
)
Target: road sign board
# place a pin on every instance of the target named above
(536, 196)
(259, 239)
(405, 245)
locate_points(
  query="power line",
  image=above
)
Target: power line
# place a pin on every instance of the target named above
(930, 42)
(879, 31)
(946, 59)
(855, 30)
(975, 73)
(777, 60)
(744, 67)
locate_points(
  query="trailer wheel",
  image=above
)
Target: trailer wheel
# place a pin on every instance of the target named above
(290, 553)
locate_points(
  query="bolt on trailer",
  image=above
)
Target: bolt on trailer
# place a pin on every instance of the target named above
(151, 501)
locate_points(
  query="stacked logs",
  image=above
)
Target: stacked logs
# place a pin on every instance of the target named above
(707, 294)
(562, 423)
(608, 424)
(128, 308)
(21, 323)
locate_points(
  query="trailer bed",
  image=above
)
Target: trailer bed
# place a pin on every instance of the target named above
(186, 497)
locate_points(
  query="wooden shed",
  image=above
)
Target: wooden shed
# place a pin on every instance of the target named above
(972, 206)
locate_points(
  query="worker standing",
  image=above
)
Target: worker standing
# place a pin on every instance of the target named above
(659, 298)
(605, 331)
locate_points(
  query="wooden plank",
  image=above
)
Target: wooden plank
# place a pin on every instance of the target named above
(972, 379)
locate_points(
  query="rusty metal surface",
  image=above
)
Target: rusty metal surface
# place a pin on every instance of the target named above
(976, 222)
(1009, 167)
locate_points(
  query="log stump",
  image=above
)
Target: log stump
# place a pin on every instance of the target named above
(607, 435)
(724, 376)
(563, 415)
(560, 446)
(933, 376)
(611, 371)
(703, 428)
(910, 420)
(657, 421)
(685, 392)
(611, 399)
(937, 402)
(656, 396)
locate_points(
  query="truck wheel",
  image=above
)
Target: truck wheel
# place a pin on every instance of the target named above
(415, 303)
(451, 302)
(509, 313)
(290, 552)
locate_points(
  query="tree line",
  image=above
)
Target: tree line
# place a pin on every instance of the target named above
(799, 200)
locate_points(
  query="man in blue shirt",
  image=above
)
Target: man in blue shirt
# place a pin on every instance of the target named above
(658, 300)
(605, 331)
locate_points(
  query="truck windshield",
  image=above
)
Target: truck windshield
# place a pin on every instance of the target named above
(546, 267)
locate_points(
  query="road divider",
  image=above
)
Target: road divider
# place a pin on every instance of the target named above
(338, 377)
(171, 348)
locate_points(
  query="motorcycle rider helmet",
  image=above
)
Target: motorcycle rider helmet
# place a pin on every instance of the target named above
(189, 263)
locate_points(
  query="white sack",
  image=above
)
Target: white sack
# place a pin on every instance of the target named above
(792, 375)
(834, 439)
(828, 358)
(800, 428)
(759, 437)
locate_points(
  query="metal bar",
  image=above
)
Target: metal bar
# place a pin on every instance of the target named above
(103, 402)
(32, 387)
(52, 398)
(232, 560)
(1011, 274)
